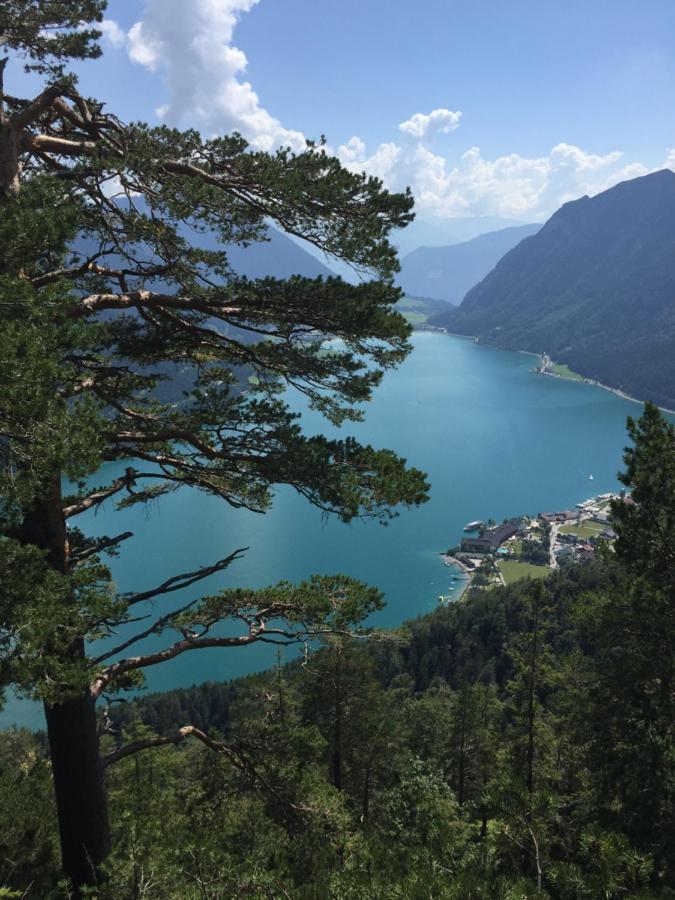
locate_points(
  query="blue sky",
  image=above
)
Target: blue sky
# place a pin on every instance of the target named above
(536, 102)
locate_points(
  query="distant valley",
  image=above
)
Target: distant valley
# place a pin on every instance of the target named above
(447, 273)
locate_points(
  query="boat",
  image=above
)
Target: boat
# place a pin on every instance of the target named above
(474, 526)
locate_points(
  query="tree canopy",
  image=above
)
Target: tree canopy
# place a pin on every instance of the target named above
(109, 284)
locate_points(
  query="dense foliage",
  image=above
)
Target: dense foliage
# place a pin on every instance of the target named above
(517, 744)
(116, 273)
(486, 750)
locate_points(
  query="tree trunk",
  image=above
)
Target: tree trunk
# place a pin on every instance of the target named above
(10, 170)
(79, 788)
(71, 726)
(338, 700)
(461, 775)
(9, 161)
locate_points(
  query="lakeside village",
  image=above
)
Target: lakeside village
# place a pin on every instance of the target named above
(529, 547)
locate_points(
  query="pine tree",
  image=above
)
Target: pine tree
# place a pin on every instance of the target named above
(106, 286)
(630, 628)
(644, 519)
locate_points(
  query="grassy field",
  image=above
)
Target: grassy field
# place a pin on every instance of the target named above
(415, 318)
(512, 570)
(565, 372)
(413, 310)
(586, 530)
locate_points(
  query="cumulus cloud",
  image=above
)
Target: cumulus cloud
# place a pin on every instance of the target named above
(190, 44)
(112, 33)
(512, 185)
(424, 127)
(382, 163)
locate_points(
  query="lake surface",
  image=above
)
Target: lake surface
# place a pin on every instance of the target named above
(495, 439)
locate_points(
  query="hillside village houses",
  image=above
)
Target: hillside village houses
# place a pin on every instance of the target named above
(572, 534)
(490, 541)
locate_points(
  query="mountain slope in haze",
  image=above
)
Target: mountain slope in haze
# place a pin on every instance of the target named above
(594, 288)
(278, 257)
(439, 231)
(447, 273)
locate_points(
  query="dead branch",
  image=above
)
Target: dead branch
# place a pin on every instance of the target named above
(178, 582)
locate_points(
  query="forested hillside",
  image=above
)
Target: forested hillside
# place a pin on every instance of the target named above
(595, 289)
(517, 744)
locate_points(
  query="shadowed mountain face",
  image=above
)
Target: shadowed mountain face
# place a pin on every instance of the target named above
(278, 257)
(440, 231)
(594, 288)
(447, 273)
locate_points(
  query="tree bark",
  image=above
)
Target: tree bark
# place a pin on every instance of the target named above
(10, 170)
(9, 160)
(462, 750)
(71, 727)
(79, 787)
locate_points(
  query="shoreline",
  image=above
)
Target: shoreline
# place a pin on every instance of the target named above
(450, 562)
(582, 378)
(593, 383)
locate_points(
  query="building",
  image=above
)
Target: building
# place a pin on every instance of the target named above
(564, 552)
(491, 540)
(566, 515)
(585, 553)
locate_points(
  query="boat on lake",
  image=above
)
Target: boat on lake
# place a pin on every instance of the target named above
(474, 526)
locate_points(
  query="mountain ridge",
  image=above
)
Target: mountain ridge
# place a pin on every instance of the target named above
(448, 272)
(594, 288)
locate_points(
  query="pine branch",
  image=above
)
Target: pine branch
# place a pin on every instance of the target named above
(100, 546)
(179, 582)
(95, 498)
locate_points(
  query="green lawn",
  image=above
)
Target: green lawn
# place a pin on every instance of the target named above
(414, 318)
(413, 303)
(586, 530)
(512, 570)
(565, 372)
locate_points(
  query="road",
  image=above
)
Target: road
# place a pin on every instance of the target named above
(552, 561)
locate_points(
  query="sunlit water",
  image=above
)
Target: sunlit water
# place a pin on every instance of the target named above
(495, 439)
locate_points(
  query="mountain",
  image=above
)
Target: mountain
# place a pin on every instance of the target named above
(447, 273)
(428, 232)
(437, 231)
(279, 257)
(594, 288)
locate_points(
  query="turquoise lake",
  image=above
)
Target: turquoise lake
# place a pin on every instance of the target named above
(496, 440)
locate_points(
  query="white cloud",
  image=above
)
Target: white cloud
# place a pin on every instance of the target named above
(512, 186)
(190, 44)
(424, 127)
(382, 163)
(113, 33)
(143, 49)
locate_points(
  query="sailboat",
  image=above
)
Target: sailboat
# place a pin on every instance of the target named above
(590, 477)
